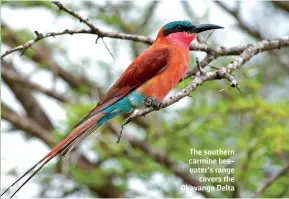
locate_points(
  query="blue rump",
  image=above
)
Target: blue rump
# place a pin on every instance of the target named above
(125, 105)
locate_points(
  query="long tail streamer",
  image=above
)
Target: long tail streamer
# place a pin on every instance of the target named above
(68, 144)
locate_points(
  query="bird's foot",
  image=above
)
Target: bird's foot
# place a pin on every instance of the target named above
(153, 102)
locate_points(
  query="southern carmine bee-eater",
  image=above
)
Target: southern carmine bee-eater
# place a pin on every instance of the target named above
(151, 75)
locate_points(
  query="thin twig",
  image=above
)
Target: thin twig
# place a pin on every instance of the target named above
(208, 37)
(107, 49)
(81, 19)
(202, 72)
(120, 133)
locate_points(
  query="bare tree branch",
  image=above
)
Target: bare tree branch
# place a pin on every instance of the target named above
(213, 52)
(222, 73)
(101, 33)
(132, 37)
(220, 51)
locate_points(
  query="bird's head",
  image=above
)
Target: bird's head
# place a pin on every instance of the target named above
(183, 32)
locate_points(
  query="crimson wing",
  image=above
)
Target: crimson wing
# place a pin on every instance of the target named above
(144, 67)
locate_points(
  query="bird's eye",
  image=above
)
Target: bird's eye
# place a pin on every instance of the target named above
(178, 27)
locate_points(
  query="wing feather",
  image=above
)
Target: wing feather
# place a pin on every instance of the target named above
(148, 64)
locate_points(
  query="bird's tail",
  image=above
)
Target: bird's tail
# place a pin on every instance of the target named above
(79, 134)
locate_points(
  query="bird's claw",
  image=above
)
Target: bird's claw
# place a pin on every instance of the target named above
(153, 102)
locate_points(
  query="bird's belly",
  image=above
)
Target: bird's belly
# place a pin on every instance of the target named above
(160, 85)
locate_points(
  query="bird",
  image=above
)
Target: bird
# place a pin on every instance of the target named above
(147, 80)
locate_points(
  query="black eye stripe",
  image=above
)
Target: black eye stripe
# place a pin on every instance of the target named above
(179, 27)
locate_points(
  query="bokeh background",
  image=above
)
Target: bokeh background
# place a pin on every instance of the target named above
(72, 72)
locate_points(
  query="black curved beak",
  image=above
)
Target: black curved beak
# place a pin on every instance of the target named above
(204, 27)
